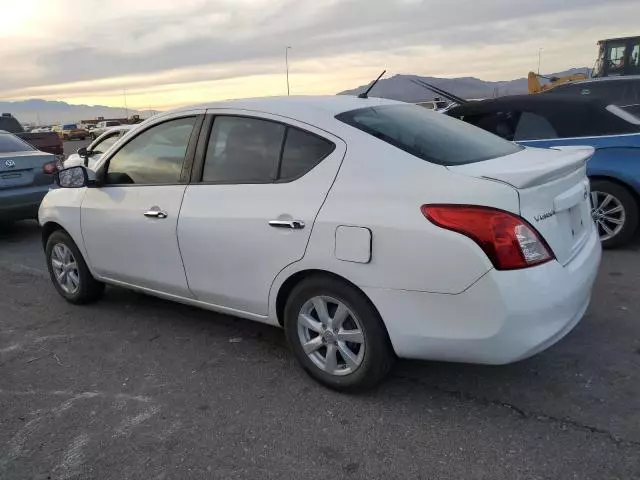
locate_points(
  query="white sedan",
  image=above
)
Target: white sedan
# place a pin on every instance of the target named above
(90, 155)
(366, 228)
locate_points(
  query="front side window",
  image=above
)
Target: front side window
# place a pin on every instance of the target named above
(430, 136)
(243, 150)
(153, 157)
(532, 126)
(106, 143)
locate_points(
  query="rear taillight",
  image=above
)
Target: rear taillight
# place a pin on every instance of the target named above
(508, 240)
(50, 168)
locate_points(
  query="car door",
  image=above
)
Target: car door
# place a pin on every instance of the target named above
(248, 213)
(129, 222)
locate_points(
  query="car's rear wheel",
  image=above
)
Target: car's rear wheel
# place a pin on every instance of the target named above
(337, 335)
(69, 272)
(614, 211)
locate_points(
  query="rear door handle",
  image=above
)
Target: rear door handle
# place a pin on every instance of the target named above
(292, 224)
(155, 212)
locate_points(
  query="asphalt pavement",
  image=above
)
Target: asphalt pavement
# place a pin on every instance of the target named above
(134, 387)
(72, 146)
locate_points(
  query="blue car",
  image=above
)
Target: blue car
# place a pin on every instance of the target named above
(26, 175)
(557, 120)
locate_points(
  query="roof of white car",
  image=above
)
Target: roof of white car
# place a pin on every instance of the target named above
(299, 107)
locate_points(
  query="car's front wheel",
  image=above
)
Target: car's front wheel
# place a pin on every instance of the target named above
(337, 335)
(68, 270)
(614, 211)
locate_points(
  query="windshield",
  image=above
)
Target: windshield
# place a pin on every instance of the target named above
(10, 144)
(430, 136)
(71, 126)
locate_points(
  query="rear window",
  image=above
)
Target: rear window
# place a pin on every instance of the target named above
(10, 144)
(70, 126)
(433, 137)
(112, 124)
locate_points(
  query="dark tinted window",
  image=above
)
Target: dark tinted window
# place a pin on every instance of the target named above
(153, 157)
(243, 150)
(430, 136)
(10, 124)
(302, 151)
(9, 143)
(532, 126)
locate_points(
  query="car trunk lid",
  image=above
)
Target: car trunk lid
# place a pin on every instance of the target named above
(21, 169)
(553, 189)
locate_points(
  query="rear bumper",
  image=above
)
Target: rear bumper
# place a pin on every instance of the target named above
(22, 203)
(504, 317)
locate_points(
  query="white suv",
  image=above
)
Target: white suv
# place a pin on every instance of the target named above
(367, 228)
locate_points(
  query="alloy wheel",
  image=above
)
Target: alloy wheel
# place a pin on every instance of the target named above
(608, 214)
(65, 268)
(331, 335)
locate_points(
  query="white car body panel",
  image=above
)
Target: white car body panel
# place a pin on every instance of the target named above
(436, 290)
(231, 254)
(125, 246)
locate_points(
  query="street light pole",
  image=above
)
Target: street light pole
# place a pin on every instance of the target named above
(286, 62)
(539, 59)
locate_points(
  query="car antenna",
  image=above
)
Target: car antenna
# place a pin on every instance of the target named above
(365, 93)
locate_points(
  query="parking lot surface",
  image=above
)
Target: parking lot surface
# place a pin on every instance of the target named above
(134, 387)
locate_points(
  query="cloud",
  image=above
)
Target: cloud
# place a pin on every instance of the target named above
(159, 45)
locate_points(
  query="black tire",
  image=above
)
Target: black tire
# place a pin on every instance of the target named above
(89, 289)
(630, 205)
(378, 355)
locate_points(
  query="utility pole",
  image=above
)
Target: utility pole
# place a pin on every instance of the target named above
(539, 59)
(286, 63)
(126, 109)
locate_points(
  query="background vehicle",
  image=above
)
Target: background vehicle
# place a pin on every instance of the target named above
(89, 156)
(621, 91)
(102, 127)
(557, 120)
(618, 56)
(365, 227)
(45, 141)
(535, 86)
(70, 131)
(25, 177)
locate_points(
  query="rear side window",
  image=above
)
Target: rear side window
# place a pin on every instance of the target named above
(252, 150)
(243, 150)
(9, 144)
(532, 126)
(433, 137)
(302, 151)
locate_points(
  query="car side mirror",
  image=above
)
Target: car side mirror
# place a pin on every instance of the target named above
(83, 152)
(74, 177)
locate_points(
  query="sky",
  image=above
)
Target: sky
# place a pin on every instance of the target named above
(161, 54)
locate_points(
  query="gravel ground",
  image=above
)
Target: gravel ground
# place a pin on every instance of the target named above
(138, 388)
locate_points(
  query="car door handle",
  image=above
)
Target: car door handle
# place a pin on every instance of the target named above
(155, 212)
(292, 224)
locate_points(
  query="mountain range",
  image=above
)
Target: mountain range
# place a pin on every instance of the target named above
(400, 87)
(397, 87)
(46, 112)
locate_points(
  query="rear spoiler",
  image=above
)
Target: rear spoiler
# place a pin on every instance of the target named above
(440, 91)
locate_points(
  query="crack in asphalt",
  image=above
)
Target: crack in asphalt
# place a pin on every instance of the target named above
(522, 413)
